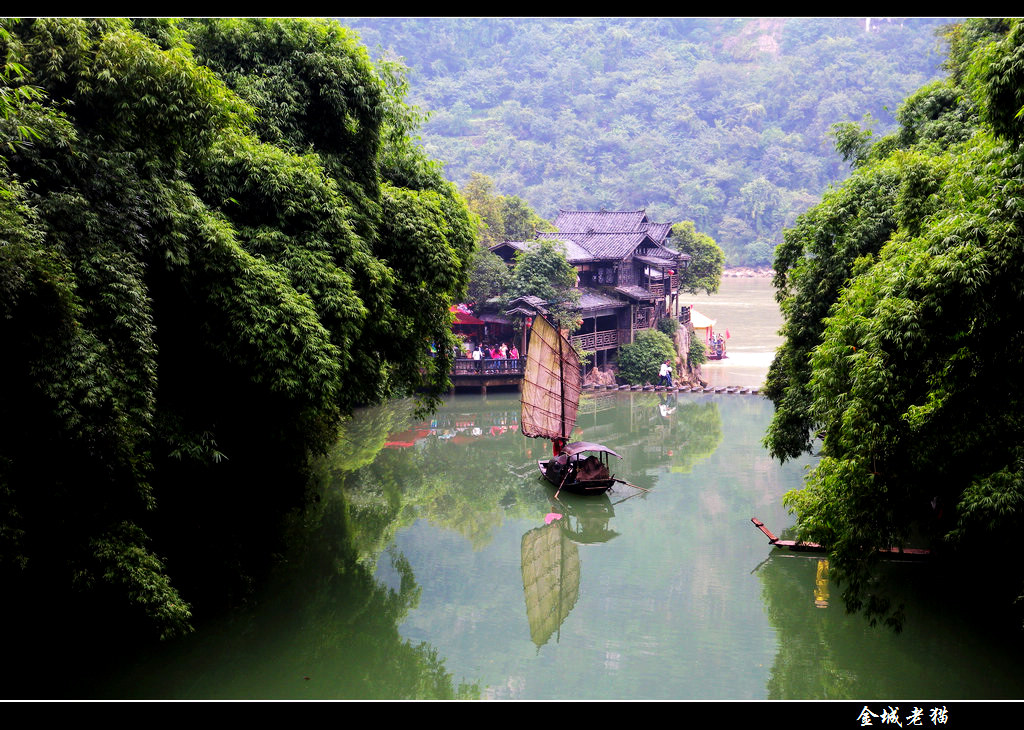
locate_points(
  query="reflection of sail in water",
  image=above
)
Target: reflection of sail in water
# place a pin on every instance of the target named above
(551, 579)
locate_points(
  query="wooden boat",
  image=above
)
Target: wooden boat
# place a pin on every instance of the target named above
(552, 382)
(585, 469)
(813, 547)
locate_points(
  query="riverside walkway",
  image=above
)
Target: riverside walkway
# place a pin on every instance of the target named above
(483, 374)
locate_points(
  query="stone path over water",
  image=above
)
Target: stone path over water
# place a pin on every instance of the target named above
(743, 389)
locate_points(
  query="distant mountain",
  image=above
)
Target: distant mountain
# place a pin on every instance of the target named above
(717, 120)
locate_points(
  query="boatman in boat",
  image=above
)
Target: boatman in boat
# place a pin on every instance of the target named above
(561, 459)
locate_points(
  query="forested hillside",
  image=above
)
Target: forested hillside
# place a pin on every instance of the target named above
(724, 122)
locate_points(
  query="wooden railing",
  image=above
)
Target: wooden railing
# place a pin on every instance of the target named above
(644, 318)
(658, 288)
(488, 367)
(600, 340)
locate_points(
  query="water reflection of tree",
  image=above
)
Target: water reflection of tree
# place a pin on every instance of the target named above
(827, 653)
(805, 666)
(325, 628)
(345, 628)
(658, 429)
(472, 469)
(467, 478)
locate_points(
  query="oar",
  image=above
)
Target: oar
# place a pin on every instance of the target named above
(631, 485)
(564, 477)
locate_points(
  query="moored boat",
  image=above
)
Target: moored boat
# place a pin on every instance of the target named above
(894, 553)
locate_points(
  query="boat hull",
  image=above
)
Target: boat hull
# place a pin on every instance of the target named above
(584, 487)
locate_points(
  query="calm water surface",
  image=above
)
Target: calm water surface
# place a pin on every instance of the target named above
(438, 565)
(746, 309)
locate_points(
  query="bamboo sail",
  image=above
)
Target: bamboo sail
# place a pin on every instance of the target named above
(552, 384)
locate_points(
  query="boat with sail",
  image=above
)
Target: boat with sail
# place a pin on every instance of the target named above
(552, 383)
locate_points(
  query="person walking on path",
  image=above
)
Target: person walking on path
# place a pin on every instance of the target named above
(666, 375)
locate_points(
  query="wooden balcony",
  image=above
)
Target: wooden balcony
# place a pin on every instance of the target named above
(484, 374)
(600, 340)
(658, 288)
(465, 366)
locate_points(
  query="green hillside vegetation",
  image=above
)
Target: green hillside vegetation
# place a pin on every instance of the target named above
(902, 358)
(722, 121)
(216, 239)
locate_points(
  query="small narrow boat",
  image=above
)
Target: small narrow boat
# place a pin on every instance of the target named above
(813, 547)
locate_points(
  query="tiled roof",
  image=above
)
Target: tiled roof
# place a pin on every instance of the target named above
(518, 245)
(659, 231)
(574, 253)
(527, 305)
(591, 299)
(657, 260)
(601, 246)
(635, 292)
(600, 221)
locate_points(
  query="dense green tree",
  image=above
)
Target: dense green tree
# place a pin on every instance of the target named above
(486, 206)
(901, 326)
(853, 141)
(640, 361)
(489, 279)
(707, 259)
(500, 217)
(543, 271)
(220, 241)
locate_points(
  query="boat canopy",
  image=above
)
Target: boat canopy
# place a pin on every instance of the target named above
(700, 321)
(578, 447)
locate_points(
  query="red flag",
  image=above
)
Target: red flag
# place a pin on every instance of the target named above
(727, 334)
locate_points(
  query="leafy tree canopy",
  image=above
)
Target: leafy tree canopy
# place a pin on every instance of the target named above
(501, 217)
(489, 279)
(543, 271)
(900, 295)
(217, 240)
(640, 361)
(706, 258)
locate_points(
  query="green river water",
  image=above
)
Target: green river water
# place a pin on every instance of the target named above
(437, 565)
